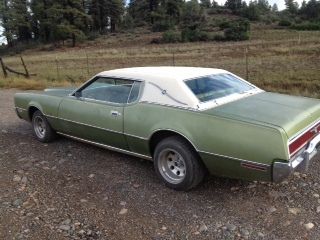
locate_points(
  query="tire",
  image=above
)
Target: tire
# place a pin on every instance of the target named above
(41, 128)
(177, 164)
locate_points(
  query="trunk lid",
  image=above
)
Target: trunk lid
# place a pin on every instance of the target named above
(291, 113)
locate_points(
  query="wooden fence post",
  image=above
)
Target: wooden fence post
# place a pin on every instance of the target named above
(173, 59)
(57, 66)
(25, 67)
(88, 71)
(5, 74)
(247, 64)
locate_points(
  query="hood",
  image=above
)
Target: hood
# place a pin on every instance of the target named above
(59, 92)
(291, 113)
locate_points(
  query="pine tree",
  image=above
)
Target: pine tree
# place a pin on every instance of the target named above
(20, 20)
(275, 8)
(139, 10)
(205, 3)
(291, 6)
(6, 21)
(233, 5)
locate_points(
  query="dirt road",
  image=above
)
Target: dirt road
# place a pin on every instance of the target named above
(69, 190)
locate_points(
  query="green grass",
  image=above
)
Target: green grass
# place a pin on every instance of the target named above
(285, 61)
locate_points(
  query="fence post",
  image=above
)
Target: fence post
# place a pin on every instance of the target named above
(173, 59)
(88, 72)
(5, 74)
(247, 64)
(57, 66)
(25, 67)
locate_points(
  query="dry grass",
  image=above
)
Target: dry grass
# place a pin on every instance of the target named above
(279, 60)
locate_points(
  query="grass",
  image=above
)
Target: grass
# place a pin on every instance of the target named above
(284, 61)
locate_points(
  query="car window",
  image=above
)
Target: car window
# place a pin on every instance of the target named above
(134, 94)
(217, 86)
(108, 90)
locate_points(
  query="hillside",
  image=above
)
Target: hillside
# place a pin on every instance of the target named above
(278, 60)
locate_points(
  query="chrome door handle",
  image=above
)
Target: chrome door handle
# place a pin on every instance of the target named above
(115, 113)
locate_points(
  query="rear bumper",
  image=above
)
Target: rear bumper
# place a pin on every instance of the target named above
(300, 162)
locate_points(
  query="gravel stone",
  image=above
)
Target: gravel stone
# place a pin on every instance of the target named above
(16, 178)
(203, 228)
(272, 209)
(231, 227)
(64, 227)
(245, 232)
(294, 211)
(123, 211)
(17, 203)
(309, 226)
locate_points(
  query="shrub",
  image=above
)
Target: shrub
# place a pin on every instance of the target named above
(171, 37)
(161, 26)
(284, 23)
(194, 35)
(156, 40)
(238, 31)
(225, 24)
(190, 35)
(219, 37)
(306, 26)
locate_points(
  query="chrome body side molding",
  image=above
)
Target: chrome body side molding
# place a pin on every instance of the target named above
(107, 146)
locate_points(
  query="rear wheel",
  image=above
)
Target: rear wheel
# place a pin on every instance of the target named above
(177, 164)
(41, 128)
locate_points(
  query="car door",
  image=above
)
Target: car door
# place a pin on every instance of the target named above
(95, 112)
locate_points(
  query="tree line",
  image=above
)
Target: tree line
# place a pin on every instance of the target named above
(46, 21)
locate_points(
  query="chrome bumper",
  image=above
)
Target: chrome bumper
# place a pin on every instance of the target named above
(282, 170)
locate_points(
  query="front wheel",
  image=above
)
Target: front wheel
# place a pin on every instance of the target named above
(41, 128)
(177, 164)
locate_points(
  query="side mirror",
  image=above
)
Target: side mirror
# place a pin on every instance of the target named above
(78, 94)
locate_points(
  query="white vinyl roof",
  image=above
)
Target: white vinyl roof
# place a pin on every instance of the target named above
(165, 85)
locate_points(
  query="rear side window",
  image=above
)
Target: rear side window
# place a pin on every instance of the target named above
(135, 90)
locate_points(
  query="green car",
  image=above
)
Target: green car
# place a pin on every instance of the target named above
(189, 121)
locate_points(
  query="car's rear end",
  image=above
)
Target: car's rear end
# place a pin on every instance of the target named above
(301, 148)
(298, 117)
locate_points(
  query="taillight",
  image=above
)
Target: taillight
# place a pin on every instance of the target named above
(303, 139)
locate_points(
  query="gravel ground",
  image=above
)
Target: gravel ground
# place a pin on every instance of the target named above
(70, 190)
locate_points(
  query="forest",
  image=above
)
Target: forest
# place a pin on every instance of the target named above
(48, 21)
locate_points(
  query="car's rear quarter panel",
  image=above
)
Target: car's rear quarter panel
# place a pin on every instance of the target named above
(47, 104)
(213, 137)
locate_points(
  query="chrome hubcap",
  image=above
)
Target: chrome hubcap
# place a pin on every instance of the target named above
(172, 166)
(39, 127)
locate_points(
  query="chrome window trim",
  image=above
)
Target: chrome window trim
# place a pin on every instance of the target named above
(141, 87)
(173, 106)
(105, 76)
(107, 146)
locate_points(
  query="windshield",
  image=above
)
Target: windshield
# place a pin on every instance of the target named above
(217, 86)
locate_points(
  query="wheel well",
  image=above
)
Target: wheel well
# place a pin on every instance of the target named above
(31, 111)
(162, 134)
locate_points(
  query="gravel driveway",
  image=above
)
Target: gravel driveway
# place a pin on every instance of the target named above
(70, 190)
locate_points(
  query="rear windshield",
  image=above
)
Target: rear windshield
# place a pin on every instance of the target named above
(217, 86)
